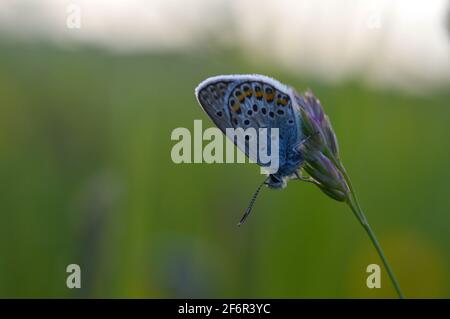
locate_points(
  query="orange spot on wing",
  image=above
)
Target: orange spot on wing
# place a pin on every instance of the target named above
(269, 97)
(236, 107)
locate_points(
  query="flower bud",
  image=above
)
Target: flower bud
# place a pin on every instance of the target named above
(320, 149)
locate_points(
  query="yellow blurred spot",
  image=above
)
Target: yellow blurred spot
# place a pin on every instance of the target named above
(283, 102)
(269, 97)
(419, 264)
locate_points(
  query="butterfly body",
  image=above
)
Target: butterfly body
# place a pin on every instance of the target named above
(256, 101)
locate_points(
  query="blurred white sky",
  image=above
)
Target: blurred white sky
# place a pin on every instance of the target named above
(400, 43)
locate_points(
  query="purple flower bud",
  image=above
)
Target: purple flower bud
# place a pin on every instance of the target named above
(320, 149)
(331, 138)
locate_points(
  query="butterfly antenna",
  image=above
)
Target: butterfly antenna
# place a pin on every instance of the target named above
(252, 202)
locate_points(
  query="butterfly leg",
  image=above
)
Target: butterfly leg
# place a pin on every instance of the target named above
(299, 175)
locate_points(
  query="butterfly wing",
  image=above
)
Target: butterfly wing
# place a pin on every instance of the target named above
(244, 101)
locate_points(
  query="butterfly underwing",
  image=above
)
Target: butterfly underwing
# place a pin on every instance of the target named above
(257, 101)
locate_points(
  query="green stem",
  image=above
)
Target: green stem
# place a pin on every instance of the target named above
(356, 208)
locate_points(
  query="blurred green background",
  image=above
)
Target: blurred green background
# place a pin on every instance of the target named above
(86, 178)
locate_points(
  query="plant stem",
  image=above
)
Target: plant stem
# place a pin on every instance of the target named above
(356, 208)
(353, 202)
(375, 242)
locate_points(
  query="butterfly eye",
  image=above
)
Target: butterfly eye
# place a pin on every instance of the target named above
(271, 114)
(269, 90)
(249, 112)
(274, 179)
(237, 93)
(264, 111)
(255, 108)
(246, 122)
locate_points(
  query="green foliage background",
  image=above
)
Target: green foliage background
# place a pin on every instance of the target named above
(86, 177)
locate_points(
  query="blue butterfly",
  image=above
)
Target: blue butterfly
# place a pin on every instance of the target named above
(257, 101)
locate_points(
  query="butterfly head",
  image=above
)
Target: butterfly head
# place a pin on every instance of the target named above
(275, 181)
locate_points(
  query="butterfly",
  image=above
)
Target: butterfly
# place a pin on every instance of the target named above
(257, 101)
